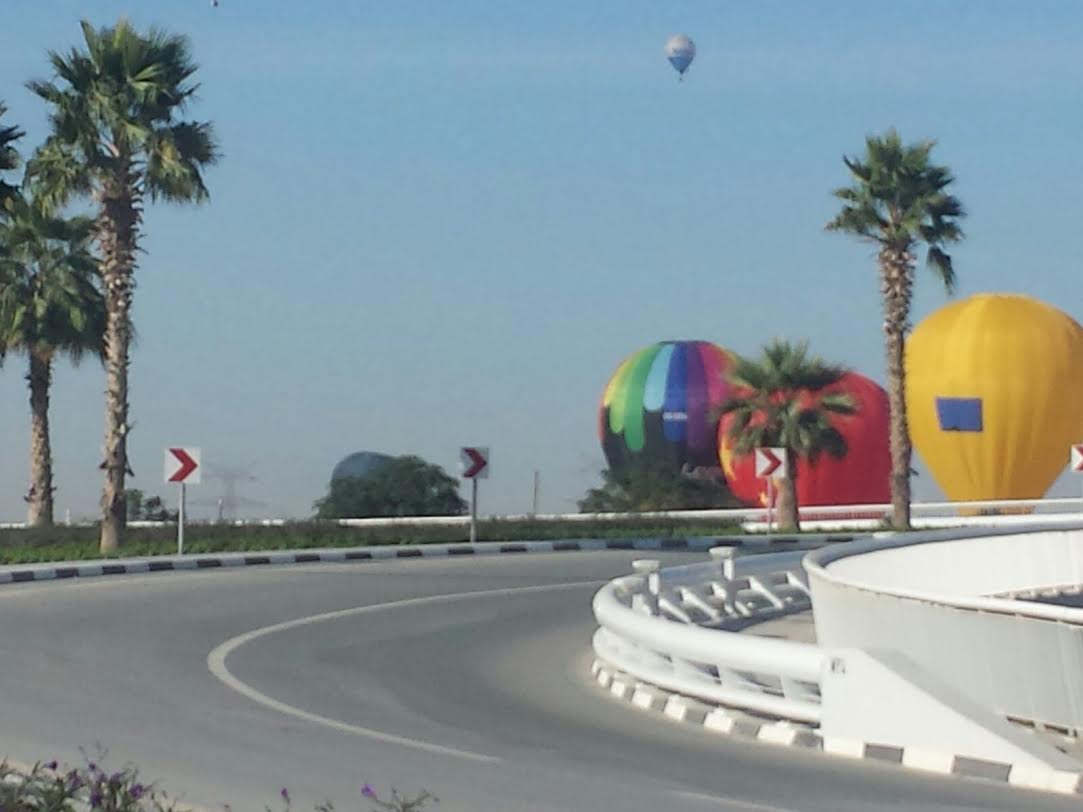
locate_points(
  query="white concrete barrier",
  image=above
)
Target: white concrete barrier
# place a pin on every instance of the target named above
(947, 602)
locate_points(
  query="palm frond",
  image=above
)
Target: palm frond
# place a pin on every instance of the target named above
(176, 157)
(941, 264)
(114, 107)
(9, 156)
(778, 400)
(56, 173)
(898, 198)
(49, 298)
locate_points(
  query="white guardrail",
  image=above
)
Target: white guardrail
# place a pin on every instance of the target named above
(929, 646)
(952, 607)
(675, 628)
(865, 516)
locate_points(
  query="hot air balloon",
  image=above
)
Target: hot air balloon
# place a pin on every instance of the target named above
(858, 478)
(680, 51)
(658, 406)
(360, 465)
(994, 395)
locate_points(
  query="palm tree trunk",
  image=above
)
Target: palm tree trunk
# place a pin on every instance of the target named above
(789, 516)
(897, 270)
(40, 498)
(118, 232)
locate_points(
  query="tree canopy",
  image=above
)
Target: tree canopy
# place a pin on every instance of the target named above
(49, 298)
(9, 156)
(145, 508)
(646, 485)
(403, 486)
(779, 402)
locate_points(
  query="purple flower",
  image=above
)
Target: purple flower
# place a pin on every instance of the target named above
(95, 796)
(137, 791)
(50, 765)
(368, 791)
(75, 780)
(285, 793)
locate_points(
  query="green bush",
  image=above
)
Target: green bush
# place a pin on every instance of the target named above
(18, 546)
(49, 787)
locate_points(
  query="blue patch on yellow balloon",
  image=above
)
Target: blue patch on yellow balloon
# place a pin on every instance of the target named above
(959, 414)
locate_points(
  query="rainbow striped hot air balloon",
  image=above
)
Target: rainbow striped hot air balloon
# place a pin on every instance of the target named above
(658, 406)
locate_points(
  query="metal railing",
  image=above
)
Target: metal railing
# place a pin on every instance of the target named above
(859, 514)
(674, 628)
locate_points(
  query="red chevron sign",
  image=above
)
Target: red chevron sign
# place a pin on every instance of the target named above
(1077, 457)
(475, 462)
(182, 465)
(770, 462)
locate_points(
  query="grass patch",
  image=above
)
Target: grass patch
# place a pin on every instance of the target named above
(79, 543)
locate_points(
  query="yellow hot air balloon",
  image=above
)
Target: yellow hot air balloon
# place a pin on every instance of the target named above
(994, 395)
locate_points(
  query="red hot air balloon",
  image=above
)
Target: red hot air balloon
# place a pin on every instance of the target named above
(858, 478)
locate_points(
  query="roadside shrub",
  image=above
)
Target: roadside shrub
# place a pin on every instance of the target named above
(48, 787)
(63, 543)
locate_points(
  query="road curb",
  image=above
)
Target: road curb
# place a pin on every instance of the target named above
(92, 568)
(685, 709)
(732, 723)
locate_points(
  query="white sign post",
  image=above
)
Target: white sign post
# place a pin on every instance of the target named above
(770, 463)
(182, 465)
(474, 461)
(1076, 458)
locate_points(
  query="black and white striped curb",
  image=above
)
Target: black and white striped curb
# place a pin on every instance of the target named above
(711, 717)
(1067, 782)
(21, 573)
(733, 723)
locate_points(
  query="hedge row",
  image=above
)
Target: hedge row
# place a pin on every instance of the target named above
(75, 543)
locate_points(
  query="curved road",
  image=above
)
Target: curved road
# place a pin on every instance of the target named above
(466, 677)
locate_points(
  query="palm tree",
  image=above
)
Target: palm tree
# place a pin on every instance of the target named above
(49, 304)
(116, 138)
(898, 200)
(9, 157)
(778, 403)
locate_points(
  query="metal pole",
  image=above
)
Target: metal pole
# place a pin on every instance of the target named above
(770, 501)
(180, 523)
(474, 511)
(534, 510)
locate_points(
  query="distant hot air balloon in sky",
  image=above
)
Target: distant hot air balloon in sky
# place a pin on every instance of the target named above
(994, 395)
(680, 51)
(659, 403)
(858, 478)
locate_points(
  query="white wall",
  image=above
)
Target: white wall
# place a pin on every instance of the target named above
(922, 596)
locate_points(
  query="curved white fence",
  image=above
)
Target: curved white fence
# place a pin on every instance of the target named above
(952, 608)
(669, 628)
(857, 516)
(923, 642)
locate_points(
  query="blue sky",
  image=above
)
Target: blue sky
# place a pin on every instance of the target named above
(439, 224)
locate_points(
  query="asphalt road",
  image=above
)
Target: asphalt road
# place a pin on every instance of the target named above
(469, 678)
